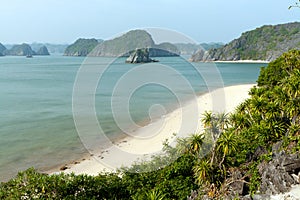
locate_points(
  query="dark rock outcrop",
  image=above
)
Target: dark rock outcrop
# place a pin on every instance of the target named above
(43, 51)
(279, 174)
(140, 56)
(264, 43)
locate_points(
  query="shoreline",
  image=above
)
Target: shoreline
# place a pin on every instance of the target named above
(243, 61)
(142, 142)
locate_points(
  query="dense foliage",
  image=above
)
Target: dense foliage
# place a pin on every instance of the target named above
(205, 162)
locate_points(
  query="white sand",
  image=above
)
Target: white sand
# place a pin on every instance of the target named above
(243, 61)
(148, 140)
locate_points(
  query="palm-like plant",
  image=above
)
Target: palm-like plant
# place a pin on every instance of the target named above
(195, 143)
(208, 118)
(227, 144)
(238, 121)
(215, 125)
(223, 121)
(155, 195)
(203, 171)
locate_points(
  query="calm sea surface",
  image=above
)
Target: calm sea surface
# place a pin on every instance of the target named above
(36, 121)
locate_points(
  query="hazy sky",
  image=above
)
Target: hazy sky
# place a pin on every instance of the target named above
(63, 21)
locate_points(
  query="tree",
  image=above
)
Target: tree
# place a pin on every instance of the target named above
(195, 142)
(203, 171)
(227, 144)
(297, 5)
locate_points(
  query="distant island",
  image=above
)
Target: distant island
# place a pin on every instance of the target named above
(265, 43)
(190, 48)
(82, 47)
(128, 42)
(121, 46)
(22, 50)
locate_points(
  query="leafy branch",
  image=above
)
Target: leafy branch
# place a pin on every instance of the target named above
(297, 5)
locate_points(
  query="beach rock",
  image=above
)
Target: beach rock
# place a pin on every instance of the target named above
(237, 186)
(63, 168)
(276, 175)
(140, 56)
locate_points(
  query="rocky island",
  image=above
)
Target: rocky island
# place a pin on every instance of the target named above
(140, 56)
(43, 51)
(265, 43)
(123, 45)
(22, 50)
(81, 47)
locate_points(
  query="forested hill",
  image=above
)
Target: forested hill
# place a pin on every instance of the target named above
(265, 43)
(121, 46)
(81, 47)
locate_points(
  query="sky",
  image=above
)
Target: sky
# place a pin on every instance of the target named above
(64, 21)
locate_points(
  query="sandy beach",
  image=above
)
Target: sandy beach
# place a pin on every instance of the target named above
(149, 140)
(243, 61)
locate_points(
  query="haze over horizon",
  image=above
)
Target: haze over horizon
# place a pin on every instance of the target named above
(65, 21)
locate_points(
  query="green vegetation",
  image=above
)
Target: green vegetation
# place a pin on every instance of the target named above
(124, 44)
(203, 163)
(264, 43)
(81, 47)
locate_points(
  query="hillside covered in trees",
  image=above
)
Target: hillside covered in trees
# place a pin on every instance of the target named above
(121, 46)
(264, 43)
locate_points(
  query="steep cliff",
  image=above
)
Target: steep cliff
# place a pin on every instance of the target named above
(264, 43)
(43, 51)
(2, 49)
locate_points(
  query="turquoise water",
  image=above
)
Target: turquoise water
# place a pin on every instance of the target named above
(36, 121)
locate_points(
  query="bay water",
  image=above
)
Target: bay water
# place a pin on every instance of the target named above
(36, 120)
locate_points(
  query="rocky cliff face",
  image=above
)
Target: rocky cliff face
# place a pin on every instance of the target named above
(81, 47)
(2, 49)
(140, 56)
(43, 51)
(264, 43)
(20, 50)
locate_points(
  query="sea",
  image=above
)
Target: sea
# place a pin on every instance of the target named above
(38, 97)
